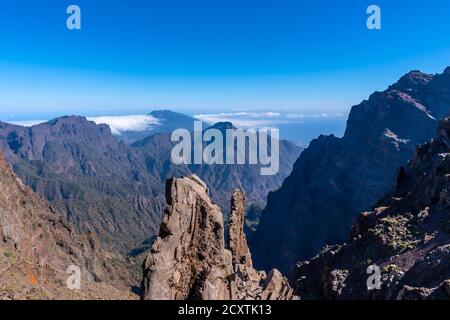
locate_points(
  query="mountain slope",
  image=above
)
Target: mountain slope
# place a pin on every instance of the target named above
(37, 246)
(335, 179)
(99, 183)
(407, 236)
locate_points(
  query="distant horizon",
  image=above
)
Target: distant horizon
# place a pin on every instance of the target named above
(29, 114)
(299, 128)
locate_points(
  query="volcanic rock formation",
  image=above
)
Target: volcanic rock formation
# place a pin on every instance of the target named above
(237, 242)
(189, 260)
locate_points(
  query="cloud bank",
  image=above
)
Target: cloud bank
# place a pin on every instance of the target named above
(121, 124)
(243, 119)
(313, 116)
(259, 120)
(27, 123)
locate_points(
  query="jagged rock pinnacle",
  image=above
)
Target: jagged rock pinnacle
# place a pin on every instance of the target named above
(189, 260)
(237, 243)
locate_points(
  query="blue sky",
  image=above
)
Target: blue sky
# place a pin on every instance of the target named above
(210, 55)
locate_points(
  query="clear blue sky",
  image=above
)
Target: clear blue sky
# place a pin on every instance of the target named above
(211, 55)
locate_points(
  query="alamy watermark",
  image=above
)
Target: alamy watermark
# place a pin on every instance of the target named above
(74, 280)
(234, 146)
(73, 22)
(373, 22)
(374, 19)
(374, 280)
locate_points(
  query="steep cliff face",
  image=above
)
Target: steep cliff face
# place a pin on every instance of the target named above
(336, 178)
(189, 259)
(37, 246)
(407, 236)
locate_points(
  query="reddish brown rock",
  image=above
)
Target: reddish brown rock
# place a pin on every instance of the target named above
(37, 246)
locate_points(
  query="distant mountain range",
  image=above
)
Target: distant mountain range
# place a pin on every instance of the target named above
(296, 127)
(116, 189)
(335, 179)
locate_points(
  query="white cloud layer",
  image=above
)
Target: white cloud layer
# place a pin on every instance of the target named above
(260, 119)
(313, 116)
(121, 124)
(27, 123)
(243, 119)
(246, 120)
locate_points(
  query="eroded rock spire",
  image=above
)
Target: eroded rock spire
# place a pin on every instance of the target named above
(189, 260)
(237, 242)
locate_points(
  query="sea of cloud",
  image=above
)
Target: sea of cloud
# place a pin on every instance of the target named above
(260, 120)
(121, 124)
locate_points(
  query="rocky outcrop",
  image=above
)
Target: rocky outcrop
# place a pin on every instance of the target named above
(189, 259)
(407, 236)
(335, 179)
(38, 246)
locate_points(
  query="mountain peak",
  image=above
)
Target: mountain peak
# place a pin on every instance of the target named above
(223, 126)
(413, 78)
(169, 115)
(74, 122)
(161, 112)
(67, 120)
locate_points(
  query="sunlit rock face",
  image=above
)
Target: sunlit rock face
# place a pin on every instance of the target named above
(189, 258)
